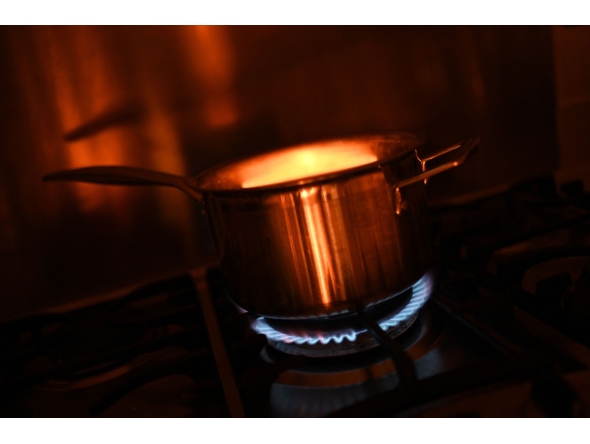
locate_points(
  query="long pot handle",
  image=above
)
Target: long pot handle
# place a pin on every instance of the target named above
(120, 175)
(461, 152)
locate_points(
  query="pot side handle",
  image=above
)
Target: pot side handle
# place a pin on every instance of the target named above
(461, 152)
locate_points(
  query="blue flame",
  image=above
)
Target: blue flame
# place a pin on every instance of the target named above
(421, 291)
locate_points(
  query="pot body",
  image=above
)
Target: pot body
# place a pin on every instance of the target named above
(315, 230)
(323, 248)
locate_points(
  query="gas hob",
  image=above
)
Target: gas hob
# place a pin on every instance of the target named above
(498, 328)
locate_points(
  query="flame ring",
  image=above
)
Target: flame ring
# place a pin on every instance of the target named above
(421, 291)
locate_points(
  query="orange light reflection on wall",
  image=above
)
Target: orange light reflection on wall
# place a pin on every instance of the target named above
(89, 81)
(215, 69)
(79, 53)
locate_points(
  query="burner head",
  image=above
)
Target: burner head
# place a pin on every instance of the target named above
(346, 335)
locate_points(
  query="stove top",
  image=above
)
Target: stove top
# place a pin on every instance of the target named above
(498, 328)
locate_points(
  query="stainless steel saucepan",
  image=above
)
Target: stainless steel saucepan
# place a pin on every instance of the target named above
(313, 230)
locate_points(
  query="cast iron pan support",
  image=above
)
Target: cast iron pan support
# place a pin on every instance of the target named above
(403, 363)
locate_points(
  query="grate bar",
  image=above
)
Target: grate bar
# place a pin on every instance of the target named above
(228, 382)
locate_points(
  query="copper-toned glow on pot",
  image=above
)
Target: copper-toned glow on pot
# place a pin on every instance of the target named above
(318, 239)
(306, 161)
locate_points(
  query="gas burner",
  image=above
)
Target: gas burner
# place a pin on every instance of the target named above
(346, 335)
(417, 340)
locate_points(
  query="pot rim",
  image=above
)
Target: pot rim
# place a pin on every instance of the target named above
(392, 146)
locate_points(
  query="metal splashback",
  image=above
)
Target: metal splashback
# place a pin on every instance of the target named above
(185, 98)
